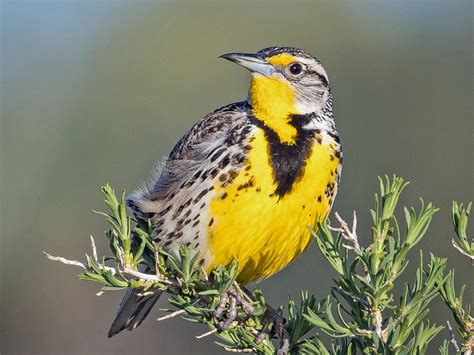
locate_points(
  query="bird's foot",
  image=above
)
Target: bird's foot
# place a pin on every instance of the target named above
(227, 310)
(273, 324)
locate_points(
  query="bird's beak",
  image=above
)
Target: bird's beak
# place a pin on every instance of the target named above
(251, 61)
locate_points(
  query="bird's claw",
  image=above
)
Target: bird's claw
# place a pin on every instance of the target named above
(274, 319)
(228, 306)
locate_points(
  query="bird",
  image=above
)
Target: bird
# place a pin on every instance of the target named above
(248, 179)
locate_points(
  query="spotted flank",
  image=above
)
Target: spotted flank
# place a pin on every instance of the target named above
(247, 180)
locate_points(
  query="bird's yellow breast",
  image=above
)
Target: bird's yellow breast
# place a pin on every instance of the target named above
(261, 230)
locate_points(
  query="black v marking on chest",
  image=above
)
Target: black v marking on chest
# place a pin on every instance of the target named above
(288, 161)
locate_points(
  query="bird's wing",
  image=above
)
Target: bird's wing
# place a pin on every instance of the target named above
(191, 153)
(212, 127)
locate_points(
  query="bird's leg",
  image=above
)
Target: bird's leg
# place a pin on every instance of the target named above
(221, 307)
(242, 302)
(231, 314)
(274, 318)
(282, 334)
(229, 303)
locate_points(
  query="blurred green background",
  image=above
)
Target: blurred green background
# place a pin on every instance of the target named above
(98, 91)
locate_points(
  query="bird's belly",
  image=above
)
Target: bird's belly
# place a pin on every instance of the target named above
(261, 230)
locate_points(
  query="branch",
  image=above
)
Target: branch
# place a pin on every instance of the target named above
(65, 261)
(348, 234)
(453, 338)
(461, 250)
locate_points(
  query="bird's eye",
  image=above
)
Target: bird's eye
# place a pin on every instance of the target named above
(296, 68)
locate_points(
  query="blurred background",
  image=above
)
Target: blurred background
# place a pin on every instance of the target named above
(98, 91)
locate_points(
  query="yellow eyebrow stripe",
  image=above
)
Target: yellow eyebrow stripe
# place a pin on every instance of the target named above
(281, 59)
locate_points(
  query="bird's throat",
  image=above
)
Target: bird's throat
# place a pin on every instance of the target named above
(273, 103)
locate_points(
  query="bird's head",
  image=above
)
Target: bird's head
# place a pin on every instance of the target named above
(284, 81)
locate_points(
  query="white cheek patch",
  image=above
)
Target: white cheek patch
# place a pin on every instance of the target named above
(305, 106)
(311, 102)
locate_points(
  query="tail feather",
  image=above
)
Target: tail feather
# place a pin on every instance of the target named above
(133, 309)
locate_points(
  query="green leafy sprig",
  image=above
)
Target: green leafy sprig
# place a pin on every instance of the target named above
(368, 318)
(461, 313)
(360, 315)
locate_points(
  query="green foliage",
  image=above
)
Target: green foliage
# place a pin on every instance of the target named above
(461, 313)
(368, 318)
(460, 218)
(361, 314)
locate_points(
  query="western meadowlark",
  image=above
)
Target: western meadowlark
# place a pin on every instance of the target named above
(247, 180)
